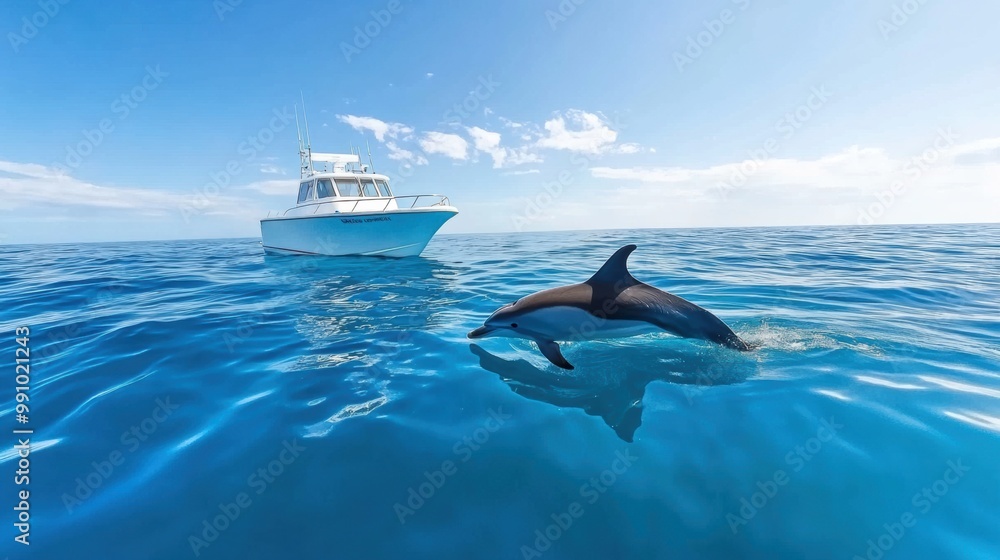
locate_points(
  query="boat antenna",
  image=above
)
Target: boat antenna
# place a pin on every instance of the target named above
(298, 130)
(370, 162)
(303, 155)
(308, 139)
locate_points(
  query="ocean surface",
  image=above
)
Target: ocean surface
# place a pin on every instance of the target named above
(197, 399)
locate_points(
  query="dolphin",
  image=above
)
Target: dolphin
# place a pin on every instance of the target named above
(611, 304)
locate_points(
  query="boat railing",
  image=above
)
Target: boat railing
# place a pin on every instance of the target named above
(435, 200)
(442, 200)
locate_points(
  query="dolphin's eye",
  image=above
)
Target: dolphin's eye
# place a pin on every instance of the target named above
(514, 325)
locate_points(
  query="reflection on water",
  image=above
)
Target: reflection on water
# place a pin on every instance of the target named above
(364, 306)
(610, 379)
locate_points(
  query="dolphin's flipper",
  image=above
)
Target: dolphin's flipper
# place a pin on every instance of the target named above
(550, 350)
(615, 272)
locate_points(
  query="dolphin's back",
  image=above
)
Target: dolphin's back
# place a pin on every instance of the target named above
(614, 287)
(613, 294)
(638, 302)
(674, 314)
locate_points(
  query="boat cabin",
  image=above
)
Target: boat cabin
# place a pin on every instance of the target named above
(341, 184)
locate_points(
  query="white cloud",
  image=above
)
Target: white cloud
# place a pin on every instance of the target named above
(430, 75)
(510, 124)
(489, 142)
(33, 185)
(32, 170)
(449, 145)
(955, 183)
(399, 154)
(379, 128)
(32, 195)
(579, 131)
(856, 185)
(523, 172)
(841, 169)
(522, 156)
(271, 169)
(573, 130)
(627, 148)
(276, 187)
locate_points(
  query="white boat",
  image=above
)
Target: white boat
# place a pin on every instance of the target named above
(344, 209)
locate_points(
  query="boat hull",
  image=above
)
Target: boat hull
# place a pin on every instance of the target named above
(402, 233)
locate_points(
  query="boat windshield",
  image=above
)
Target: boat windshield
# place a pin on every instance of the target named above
(368, 187)
(348, 187)
(324, 188)
(303, 191)
(383, 187)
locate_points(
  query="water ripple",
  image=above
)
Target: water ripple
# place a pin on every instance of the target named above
(887, 336)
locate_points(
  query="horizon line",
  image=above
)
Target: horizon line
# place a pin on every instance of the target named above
(798, 226)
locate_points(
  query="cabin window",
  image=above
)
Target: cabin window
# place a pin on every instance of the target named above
(324, 188)
(348, 187)
(368, 187)
(383, 187)
(303, 192)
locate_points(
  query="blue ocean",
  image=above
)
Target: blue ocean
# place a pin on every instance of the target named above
(198, 399)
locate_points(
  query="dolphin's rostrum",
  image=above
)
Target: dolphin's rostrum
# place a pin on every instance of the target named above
(611, 304)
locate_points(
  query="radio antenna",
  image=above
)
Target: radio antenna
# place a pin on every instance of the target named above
(298, 130)
(370, 162)
(306, 120)
(305, 158)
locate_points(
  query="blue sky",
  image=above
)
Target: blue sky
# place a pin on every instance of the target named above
(578, 114)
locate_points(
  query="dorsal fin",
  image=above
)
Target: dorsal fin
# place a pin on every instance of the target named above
(615, 272)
